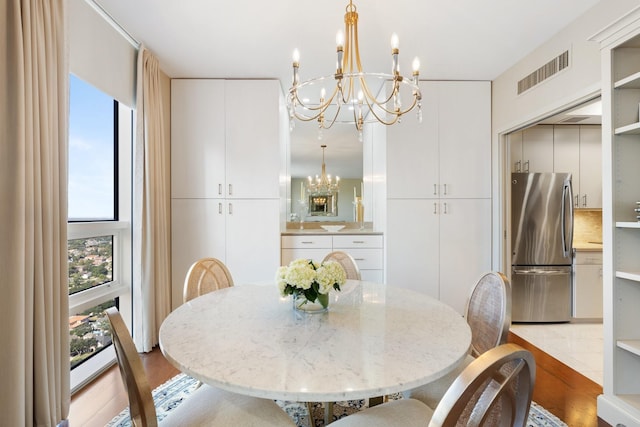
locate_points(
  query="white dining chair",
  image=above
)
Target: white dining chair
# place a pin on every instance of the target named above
(205, 275)
(493, 390)
(346, 261)
(206, 406)
(488, 314)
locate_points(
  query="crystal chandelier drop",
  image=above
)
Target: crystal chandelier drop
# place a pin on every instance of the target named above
(354, 89)
(323, 184)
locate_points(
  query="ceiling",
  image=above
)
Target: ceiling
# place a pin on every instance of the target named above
(455, 40)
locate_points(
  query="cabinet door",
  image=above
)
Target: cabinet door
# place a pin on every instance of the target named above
(412, 151)
(253, 240)
(465, 248)
(590, 166)
(515, 151)
(197, 138)
(412, 245)
(537, 149)
(252, 138)
(464, 130)
(587, 292)
(566, 156)
(197, 231)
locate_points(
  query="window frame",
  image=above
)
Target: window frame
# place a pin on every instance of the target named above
(120, 288)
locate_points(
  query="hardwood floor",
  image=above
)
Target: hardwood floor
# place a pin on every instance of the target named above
(561, 390)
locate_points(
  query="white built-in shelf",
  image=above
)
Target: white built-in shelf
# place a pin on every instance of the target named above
(628, 275)
(629, 82)
(632, 129)
(632, 346)
(628, 224)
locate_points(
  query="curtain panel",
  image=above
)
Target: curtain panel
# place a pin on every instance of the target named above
(152, 207)
(33, 213)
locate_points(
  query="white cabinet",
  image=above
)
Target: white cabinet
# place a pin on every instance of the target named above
(197, 138)
(448, 155)
(217, 149)
(578, 150)
(590, 166)
(620, 43)
(587, 285)
(439, 247)
(367, 250)
(225, 177)
(439, 193)
(531, 150)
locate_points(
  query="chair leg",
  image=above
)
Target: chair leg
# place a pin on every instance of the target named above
(328, 413)
(312, 421)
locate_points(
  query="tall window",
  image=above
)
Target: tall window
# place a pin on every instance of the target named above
(99, 238)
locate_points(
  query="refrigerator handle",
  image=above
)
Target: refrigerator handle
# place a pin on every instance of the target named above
(567, 232)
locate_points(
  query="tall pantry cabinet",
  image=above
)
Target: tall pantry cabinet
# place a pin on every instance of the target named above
(226, 164)
(438, 231)
(619, 405)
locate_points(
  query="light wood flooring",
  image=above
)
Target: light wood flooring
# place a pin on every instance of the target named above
(561, 390)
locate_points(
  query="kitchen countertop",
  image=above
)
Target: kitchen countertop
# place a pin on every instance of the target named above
(587, 246)
(320, 231)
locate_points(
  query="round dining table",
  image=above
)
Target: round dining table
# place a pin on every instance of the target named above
(374, 340)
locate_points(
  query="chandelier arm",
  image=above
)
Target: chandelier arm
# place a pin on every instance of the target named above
(372, 100)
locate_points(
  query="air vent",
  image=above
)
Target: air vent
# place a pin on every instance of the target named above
(574, 119)
(549, 69)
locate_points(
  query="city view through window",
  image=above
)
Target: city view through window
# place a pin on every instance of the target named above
(92, 193)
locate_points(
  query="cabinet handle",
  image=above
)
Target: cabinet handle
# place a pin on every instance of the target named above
(307, 243)
(445, 189)
(230, 208)
(445, 208)
(358, 241)
(577, 201)
(219, 189)
(435, 189)
(526, 166)
(518, 166)
(435, 208)
(358, 259)
(220, 208)
(230, 190)
(584, 201)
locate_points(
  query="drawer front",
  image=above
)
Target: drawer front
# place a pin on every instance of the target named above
(288, 255)
(356, 241)
(306, 242)
(589, 257)
(367, 259)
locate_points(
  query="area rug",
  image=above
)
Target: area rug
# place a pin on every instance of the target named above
(173, 392)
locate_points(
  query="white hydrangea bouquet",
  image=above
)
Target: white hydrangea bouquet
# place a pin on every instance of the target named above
(309, 282)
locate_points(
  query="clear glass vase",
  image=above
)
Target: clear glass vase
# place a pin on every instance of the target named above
(302, 304)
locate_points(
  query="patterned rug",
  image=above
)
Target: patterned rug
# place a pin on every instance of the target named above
(171, 394)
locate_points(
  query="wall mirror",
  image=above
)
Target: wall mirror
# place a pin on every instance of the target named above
(343, 158)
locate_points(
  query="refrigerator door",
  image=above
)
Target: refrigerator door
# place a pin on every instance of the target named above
(541, 218)
(541, 294)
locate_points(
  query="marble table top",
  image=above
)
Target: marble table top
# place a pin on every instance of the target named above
(375, 340)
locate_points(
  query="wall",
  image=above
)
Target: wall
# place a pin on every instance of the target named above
(580, 81)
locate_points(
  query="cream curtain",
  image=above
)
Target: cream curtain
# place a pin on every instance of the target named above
(152, 207)
(34, 312)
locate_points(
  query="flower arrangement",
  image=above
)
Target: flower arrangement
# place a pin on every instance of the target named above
(310, 280)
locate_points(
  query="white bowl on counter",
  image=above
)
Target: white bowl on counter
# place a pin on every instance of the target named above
(332, 228)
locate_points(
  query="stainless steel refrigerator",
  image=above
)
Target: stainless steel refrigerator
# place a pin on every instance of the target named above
(541, 243)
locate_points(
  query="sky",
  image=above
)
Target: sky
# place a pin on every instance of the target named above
(91, 152)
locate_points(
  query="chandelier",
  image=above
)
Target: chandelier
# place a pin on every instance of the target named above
(323, 184)
(364, 103)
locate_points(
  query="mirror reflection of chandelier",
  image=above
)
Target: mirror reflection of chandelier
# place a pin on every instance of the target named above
(323, 184)
(353, 87)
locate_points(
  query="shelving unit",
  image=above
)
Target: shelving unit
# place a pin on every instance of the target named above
(620, 43)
